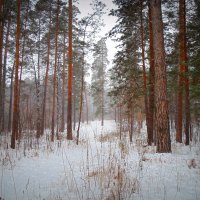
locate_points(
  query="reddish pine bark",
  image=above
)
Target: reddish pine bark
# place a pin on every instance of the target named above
(161, 103)
(16, 82)
(180, 105)
(183, 78)
(69, 110)
(151, 83)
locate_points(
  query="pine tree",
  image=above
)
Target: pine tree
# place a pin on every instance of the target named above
(184, 65)
(99, 77)
(15, 123)
(47, 70)
(94, 22)
(161, 102)
(151, 82)
(147, 112)
(193, 35)
(69, 110)
(55, 73)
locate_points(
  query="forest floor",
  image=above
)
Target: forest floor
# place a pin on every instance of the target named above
(100, 167)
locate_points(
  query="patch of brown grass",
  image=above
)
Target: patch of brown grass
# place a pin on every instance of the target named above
(108, 137)
(116, 181)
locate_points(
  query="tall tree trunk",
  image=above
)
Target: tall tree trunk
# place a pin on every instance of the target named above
(11, 99)
(179, 111)
(5, 72)
(187, 110)
(22, 62)
(27, 114)
(46, 76)
(16, 83)
(82, 81)
(81, 98)
(74, 111)
(54, 76)
(38, 123)
(131, 113)
(151, 83)
(187, 95)
(115, 113)
(120, 121)
(183, 77)
(102, 108)
(57, 103)
(36, 85)
(162, 111)
(63, 88)
(144, 70)
(1, 58)
(86, 102)
(102, 93)
(69, 106)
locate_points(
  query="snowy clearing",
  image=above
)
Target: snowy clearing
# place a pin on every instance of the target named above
(100, 167)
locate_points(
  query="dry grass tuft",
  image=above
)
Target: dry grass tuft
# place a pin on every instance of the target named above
(124, 148)
(109, 137)
(115, 182)
(93, 173)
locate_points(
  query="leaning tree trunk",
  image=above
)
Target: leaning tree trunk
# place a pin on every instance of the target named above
(161, 103)
(16, 83)
(69, 106)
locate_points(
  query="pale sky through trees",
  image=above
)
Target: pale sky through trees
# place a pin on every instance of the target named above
(109, 21)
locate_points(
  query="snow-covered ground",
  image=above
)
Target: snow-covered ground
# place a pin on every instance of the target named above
(100, 167)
